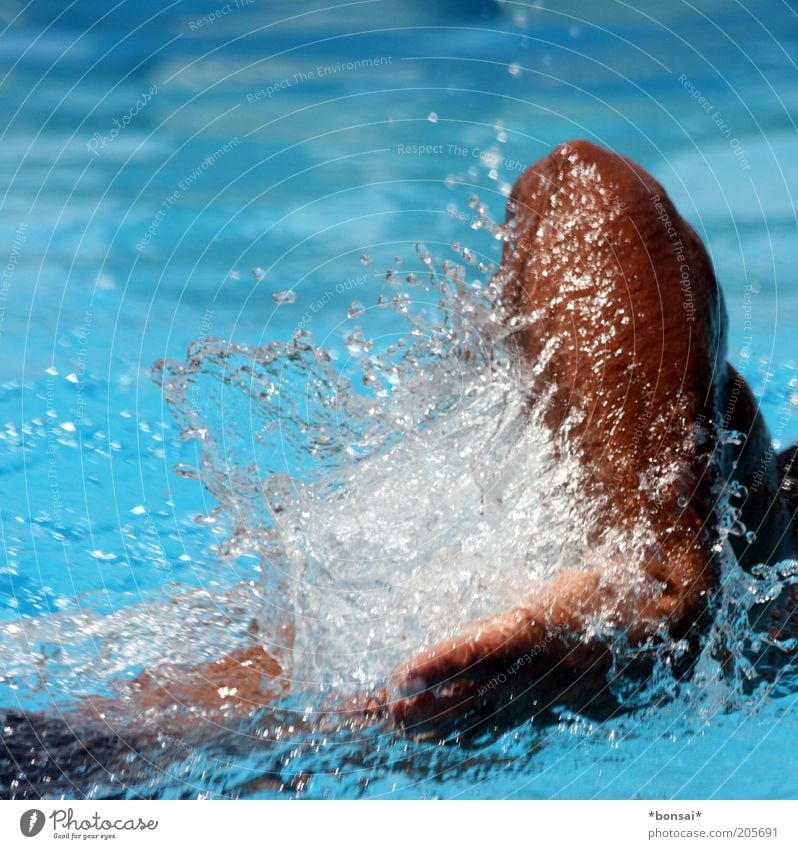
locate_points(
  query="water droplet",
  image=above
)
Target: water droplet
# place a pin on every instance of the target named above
(234, 275)
(737, 529)
(733, 437)
(286, 297)
(750, 537)
(356, 308)
(259, 273)
(739, 490)
(514, 69)
(433, 117)
(354, 341)
(365, 259)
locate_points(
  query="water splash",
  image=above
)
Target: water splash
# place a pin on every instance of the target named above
(374, 493)
(412, 489)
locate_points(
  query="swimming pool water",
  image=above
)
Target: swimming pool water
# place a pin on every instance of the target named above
(169, 170)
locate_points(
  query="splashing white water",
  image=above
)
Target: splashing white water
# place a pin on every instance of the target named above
(386, 516)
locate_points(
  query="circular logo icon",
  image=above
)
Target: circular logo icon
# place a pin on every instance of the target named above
(31, 822)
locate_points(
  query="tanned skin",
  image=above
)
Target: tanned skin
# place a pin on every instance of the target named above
(622, 324)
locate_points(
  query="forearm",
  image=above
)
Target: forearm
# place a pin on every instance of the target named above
(558, 641)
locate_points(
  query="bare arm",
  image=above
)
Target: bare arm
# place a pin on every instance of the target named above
(547, 646)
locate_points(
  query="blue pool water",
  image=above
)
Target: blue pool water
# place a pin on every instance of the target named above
(244, 171)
